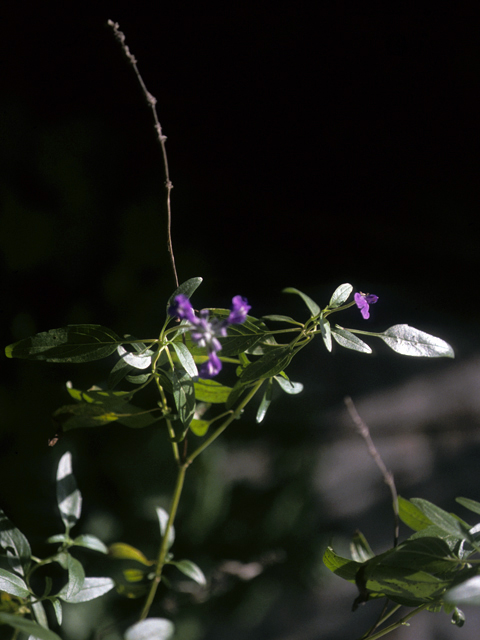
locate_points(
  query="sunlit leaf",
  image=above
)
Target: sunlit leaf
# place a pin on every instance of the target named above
(288, 386)
(124, 551)
(76, 576)
(90, 542)
(74, 343)
(136, 360)
(40, 614)
(183, 394)
(199, 427)
(312, 306)
(342, 567)
(411, 515)
(13, 540)
(186, 288)
(69, 498)
(269, 365)
(151, 629)
(360, 549)
(471, 505)
(191, 570)
(265, 403)
(326, 333)
(467, 592)
(28, 626)
(185, 358)
(57, 607)
(340, 295)
(13, 584)
(411, 342)
(349, 340)
(163, 521)
(91, 588)
(211, 391)
(278, 318)
(442, 519)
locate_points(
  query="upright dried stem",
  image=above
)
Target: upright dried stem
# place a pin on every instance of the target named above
(152, 101)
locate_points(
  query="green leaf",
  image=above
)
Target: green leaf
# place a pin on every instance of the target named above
(57, 607)
(90, 542)
(265, 403)
(349, 340)
(185, 358)
(28, 626)
(278, 318)
(151, 629)
(471, 505)
(269, 365)
(40, 614)
(13, 539)
(74, 343)
(340, 295)
(184, 395)
(59, 537)
(442, 519)
(163, 520)
(136, 360)
(342, 567)
(312, 306)
(187, 288)
(123, 551)
(411, 515)
(292, 388)
(191, 570)
(467, 592)
(237, 391)
(69, 498)
(360, 549)
(326, 333)
(92, 588)
(411, 342)
(199, 427)
(211, 391)
(76, 576)
(13, 584)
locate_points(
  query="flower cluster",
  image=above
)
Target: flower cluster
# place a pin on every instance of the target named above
(205, 332)
(363, 302)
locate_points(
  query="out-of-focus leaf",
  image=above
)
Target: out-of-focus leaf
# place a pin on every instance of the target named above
(191, 570)
(471, 505)
(467, 592)
(69, 498)
(411, 342)
(211, 391)
(151, 629)
(74, 343)
(124, 551)
(13, 584)
(349, 340)
(312, 306)
(199, 427)
(163, 521)
(359, 548)
(28, 626)
(340, 295)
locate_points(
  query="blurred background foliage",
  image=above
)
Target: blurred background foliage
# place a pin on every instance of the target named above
(307, 147)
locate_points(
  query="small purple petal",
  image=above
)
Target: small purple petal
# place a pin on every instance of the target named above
(182, 308)
(240, 309)
(211, 367)
(363, 301)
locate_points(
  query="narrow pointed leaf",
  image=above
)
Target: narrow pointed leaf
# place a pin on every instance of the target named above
(124, 551)
(69, 498)
(288, 386)
(28, 626)
(185, 358)
(13, 540)
(471, 505)
(269, 365)
(151, 629)
(278, 318)
(441, 518)
(90, 542)
(211, 391)
(191, 570)
(91, 588)
(13, 584)
(186, 288)
(57, 607)
(411, 342)
(265, 403)
(163, 521)
(76, 576)
(349, 340)
(136, 360)
(74, 343)
(184, 395)
(340, 295)
(326, 333)
(40, 614)
(312, 306)
(360, 549)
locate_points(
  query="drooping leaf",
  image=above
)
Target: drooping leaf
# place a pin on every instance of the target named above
(342, 567)
(349, 340)
(326, 333)
(16, 544)
(69, 498)
(163, 521)
(76, 576)
(186, 288)
(269, 365)
(13, 584)
(90, 542)
(411, 515)
(73, 343)
(265, 403)
(124, 551)
(28, 626)
(340, 295)
(185, 358)
(91, 588)
(312, 306)
(211, 391)
(288, 386)
(183, 395)
(191, 570)
(411, 342)
(151, 629)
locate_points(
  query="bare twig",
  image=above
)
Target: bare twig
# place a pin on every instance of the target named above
(364, 431)
(152, 101)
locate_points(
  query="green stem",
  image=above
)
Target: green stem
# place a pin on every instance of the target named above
(162, 554)
(397, 624)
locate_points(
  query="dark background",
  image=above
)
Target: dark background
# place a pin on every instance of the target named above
(308, 146)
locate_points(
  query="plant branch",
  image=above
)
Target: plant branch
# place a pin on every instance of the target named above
(152, 101)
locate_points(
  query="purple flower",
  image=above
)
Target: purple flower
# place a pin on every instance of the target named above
(205, 332)
(363, 302)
